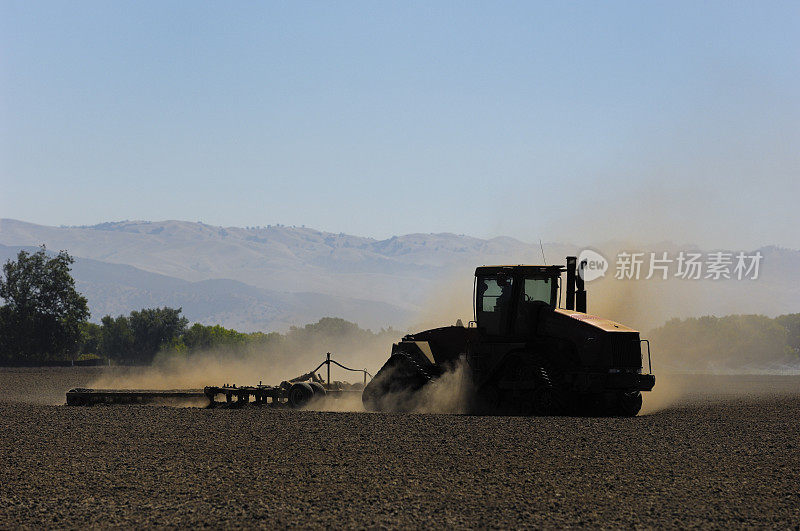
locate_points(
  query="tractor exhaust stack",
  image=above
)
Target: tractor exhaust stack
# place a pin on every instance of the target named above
(571, 262)
(576, 294)
(580, 292)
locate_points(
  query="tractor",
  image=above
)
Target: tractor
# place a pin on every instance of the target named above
(525, 355)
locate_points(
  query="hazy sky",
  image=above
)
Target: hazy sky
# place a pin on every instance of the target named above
(570, 121)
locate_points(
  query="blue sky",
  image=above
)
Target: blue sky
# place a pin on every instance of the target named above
(579, 121)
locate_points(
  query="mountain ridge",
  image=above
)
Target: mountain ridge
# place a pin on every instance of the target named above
(373, 282)
(115, 289)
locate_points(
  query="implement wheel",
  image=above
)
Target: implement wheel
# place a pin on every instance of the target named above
(300, 394)
(319, 390)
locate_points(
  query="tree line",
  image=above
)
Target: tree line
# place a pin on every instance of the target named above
(729, 342)
(44, 319)
(139, 337)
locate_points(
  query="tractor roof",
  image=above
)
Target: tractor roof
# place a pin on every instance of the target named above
(547, 270)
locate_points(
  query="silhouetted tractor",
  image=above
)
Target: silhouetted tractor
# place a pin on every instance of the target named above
(525, 355)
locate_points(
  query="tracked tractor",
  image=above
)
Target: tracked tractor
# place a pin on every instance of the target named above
(524, 354)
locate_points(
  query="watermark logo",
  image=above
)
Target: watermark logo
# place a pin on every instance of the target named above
(595, 267)
(684, 265)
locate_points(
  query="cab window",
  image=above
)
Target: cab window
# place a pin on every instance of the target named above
(534, 292)
(537, 289)
(494, 299)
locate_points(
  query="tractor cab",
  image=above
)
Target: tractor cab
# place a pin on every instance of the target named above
(508, 298)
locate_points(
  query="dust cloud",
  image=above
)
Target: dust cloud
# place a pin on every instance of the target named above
(348, 402)
(449, 300)
(676, 390)
(452, 393)
(670, 390)
(683, 365)
(260, 363)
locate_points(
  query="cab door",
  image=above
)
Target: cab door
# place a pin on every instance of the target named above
(494, 303)
(537, 296)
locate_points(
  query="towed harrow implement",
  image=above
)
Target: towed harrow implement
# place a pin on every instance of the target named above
(295, 393)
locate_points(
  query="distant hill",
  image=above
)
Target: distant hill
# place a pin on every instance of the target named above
(114, 289)
(277, 258)
(270, 277)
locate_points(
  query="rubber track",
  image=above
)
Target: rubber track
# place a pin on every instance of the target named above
(415, 364)
(544, 377)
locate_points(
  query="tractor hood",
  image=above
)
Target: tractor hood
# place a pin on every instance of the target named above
(595, 321)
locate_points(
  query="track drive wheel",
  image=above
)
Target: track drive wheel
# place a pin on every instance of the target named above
(489, 400)
(543, 399)
(628, 404)
(394, 383)
(547, 401)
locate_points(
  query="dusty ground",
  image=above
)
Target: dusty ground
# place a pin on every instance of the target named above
(728, 458)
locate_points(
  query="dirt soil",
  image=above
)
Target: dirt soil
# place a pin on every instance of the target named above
(729, 457)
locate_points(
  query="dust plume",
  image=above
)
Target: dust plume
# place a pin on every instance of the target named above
(670, 389)
(677, 390)
(452, 392)
(695, 354)
(187, 372)
(270, 362)
(346, 403)
(627, 302)
(449, 300)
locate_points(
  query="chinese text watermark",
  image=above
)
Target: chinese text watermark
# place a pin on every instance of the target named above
(686, 265)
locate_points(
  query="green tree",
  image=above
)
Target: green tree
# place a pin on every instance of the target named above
(791, 323)
(154, 329)
(43, 313)
(116, 338)
(732, 341)
(91, 338)
(201, 337)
